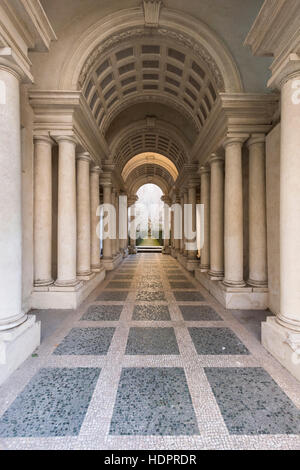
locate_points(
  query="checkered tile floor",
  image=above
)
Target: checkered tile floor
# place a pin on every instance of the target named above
(150, 361)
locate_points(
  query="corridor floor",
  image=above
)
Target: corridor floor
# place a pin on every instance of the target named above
(150, 361)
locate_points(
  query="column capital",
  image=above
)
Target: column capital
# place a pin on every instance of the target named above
(256, 139)
(9, 64)
(43, 139)
(131, 200)
(96, 169)
(288, 69)
(106, 184)
(166, 200)
(65, 138)
(203, 170)
(193, 182)
(108, 167)
(84, 156)
(235, 139)
(216, 158)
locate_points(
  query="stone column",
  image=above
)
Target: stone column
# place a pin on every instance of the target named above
(216, 271)
(95, 235)
(182, 225)
(205, 200)
(11, 313)
(83, 215)
(131, 204)
(117, 222)
(107, 242)
(166, 202)
(172, 230)
(192, 254)
(257, 212)
(185, 222)
(66, 224)
(233, 236)
(114, 240)
(43, 211)
(290, 204)
(177, 223)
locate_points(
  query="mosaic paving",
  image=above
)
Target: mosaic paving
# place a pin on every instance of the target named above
(54, 403)
(150, 361)
(151, 313)
(103, 313)
(199, 313)
(216, 341)
(151, 341)
(86, 341)
(153, 401)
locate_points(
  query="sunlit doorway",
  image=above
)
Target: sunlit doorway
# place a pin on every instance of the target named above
(149, 212)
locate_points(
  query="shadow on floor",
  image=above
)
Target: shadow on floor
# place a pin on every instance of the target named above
(51, 320)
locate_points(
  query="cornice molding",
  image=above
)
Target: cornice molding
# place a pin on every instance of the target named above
(276, 32)
(25, 28)
(65, 112)
(235, 114)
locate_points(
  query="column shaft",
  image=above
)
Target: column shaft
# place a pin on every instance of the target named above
(257, 213)
(217, 218)
(43, 211)
(185, 222)
(10, 202)
(192, 254)
(114, 240)
(205, 200)
(66, 225)
(290, 207)
(182, 225)
(95, 232)
(234, 213)
(83, 215)
(107, 241)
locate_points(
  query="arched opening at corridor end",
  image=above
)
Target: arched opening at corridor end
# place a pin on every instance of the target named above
(149, 213)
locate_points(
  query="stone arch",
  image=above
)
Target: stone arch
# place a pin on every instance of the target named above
(162, 138)
(141, 181)
(125, 23)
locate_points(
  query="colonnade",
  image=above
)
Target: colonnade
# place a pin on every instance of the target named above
(78, 229)
(221, 194)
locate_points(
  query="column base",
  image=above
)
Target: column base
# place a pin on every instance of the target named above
(253, 283)
(204, 268)
(283, 344)
(236, 298)
(216, 275)
(234, 284)
(182, 259)
(17, 344)
(174, 253)
(192, 264)
(67, 297)
(96, 268)
(111, 263)
(132, 250)
(166, 250)
(42, 283)
(73, 283)
(85, 277)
